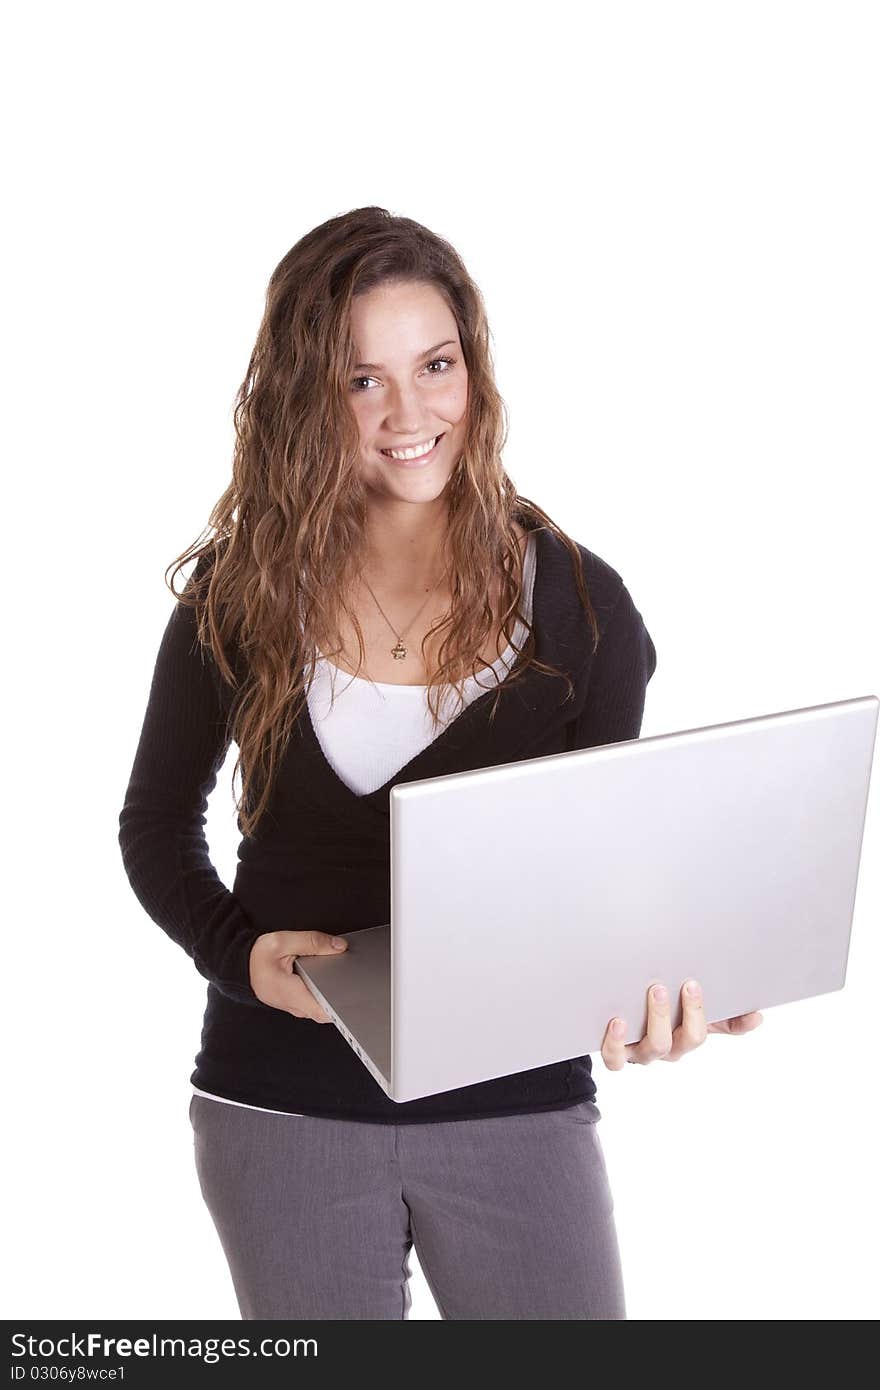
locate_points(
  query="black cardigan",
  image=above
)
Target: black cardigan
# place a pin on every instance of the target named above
(321, 857)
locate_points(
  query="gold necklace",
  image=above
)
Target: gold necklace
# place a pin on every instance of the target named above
(398, 651)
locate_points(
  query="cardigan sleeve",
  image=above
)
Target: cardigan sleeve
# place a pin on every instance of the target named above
(182, 746)
(624, 662)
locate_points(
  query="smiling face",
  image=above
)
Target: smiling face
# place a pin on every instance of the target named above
(408, 386)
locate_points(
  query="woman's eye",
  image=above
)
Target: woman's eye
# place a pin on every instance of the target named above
(449, 361)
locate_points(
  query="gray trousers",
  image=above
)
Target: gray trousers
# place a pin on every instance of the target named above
(511, 1217)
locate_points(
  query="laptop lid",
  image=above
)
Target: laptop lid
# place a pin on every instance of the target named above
(534, 901)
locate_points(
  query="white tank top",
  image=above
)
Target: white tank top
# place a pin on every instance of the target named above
(397, 717)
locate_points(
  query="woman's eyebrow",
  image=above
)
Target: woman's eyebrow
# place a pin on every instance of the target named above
(378, 367)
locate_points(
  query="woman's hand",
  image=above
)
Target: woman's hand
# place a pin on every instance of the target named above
(660, 1041)
(273, 977)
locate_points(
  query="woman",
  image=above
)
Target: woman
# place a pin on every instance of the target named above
(372, 562)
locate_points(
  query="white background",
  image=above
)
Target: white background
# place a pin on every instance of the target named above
(672, 211)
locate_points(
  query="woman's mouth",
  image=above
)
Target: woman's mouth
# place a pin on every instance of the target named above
(416, 457)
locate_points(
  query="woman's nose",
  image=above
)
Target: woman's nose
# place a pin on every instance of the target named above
(404, 411)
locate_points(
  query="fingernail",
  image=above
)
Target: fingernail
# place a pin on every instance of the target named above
(693, 988)
(617, 1028)
(660, 994)
(337, 942)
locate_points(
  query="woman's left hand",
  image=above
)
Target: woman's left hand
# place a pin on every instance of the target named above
(660, 1042)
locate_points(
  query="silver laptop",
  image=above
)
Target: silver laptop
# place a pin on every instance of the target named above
(532, 902)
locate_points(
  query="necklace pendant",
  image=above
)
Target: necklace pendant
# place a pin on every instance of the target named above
(399, 651)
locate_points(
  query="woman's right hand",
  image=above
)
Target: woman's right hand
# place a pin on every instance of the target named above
(273, 977)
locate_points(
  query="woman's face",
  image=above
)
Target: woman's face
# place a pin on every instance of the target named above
(408, 386)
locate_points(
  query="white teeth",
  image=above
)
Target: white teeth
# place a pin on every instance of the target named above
(417, 452)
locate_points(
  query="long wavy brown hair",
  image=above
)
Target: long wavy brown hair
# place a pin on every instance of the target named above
(288, 534)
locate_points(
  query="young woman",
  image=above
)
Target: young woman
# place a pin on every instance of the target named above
(377, 604)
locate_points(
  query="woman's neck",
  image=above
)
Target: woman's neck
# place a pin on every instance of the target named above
(405, 548)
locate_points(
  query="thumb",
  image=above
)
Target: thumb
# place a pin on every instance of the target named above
(324, 943)
(306, 943)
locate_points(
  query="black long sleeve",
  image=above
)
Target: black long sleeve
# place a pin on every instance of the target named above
(182, 747)
(624, 662)
(325, 861)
